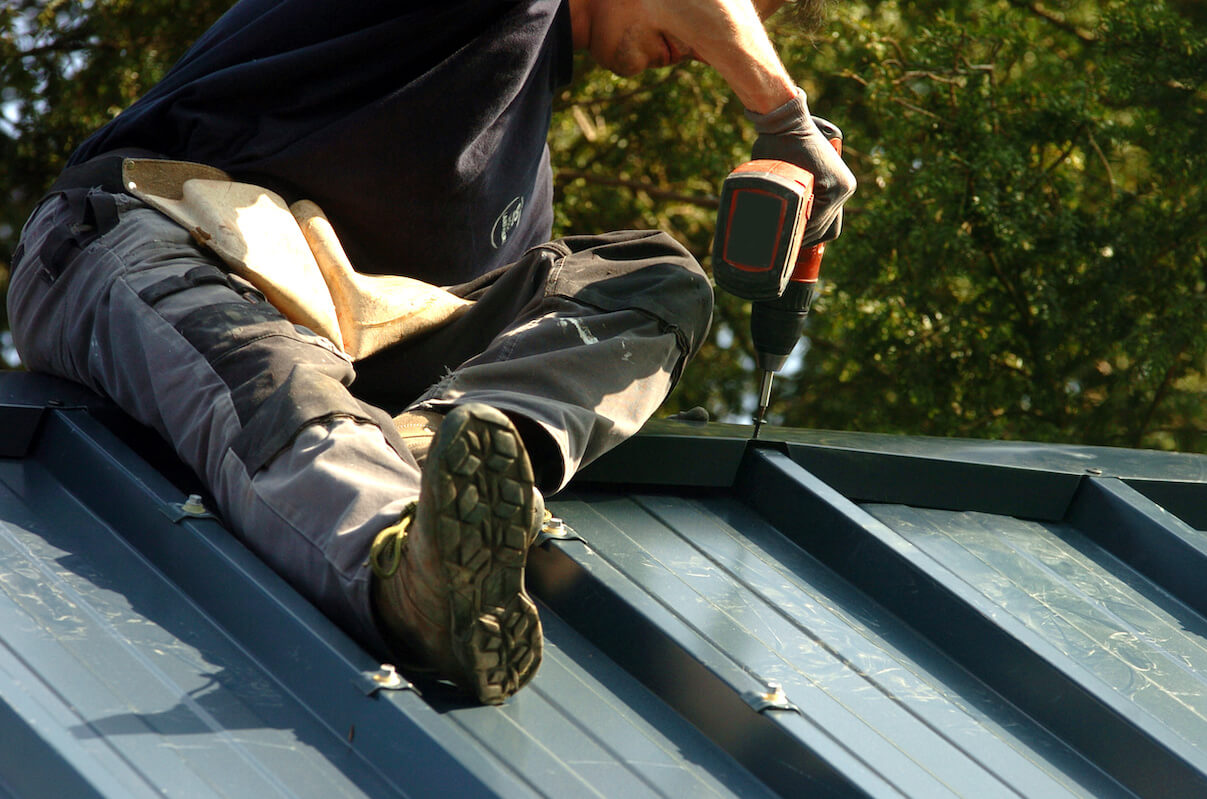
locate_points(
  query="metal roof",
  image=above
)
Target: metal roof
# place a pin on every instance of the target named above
(817, 613)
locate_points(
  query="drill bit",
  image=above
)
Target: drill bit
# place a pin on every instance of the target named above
(764, 401)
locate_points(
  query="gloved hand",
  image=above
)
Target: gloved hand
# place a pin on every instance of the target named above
(789, 133)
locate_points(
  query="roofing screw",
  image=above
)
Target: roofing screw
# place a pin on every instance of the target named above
(554, 528)
(193, 505)
(388, 677)
(774, 698)
(775, 694)
(385, 678)
(191, 508)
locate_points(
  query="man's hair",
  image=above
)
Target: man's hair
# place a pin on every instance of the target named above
(806, 15)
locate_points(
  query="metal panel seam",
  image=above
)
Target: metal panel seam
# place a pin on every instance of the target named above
(1007, 656)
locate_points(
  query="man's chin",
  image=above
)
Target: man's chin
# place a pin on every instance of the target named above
(625, 70)
(626, 59)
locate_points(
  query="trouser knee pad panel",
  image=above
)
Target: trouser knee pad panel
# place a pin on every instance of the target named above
(279, 380)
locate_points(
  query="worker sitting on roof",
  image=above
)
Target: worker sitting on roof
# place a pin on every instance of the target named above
(406, 140)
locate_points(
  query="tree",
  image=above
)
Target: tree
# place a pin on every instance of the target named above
(66, 67)
(1025, 257)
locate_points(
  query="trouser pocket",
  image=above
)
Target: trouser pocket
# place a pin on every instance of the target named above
(643, 270)
(60, 232)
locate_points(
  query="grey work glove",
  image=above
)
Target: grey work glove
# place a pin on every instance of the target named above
(789, 133)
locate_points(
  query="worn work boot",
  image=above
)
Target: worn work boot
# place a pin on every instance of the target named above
(449, 585)
(417, 428)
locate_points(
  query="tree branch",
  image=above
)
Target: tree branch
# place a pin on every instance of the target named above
(916, 109)
(938, 77)
(1060, 159)
(1055, 20)
(1159, 396)
(1110, 175)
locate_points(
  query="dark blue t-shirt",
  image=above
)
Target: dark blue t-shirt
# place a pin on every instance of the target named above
(418, 127)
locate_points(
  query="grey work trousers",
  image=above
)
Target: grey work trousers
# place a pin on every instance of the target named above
(579, 342)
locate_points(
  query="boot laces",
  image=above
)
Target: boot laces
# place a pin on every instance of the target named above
(385, 555)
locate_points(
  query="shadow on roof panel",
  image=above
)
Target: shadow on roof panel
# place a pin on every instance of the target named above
(864, 704)
(144, 650)
(821, 614)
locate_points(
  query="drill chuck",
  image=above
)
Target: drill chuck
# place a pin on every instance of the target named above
(776, 325)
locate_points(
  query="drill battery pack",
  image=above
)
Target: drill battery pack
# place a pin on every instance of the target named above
(765, 205)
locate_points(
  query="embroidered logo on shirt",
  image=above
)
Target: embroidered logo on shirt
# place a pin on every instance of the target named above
(507, 222)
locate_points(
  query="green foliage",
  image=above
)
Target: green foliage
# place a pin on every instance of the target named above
(1024, 259)
(68, 66)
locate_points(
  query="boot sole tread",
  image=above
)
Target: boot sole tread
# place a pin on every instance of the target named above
(496, 630)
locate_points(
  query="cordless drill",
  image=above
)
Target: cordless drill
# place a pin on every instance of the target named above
(757, 256)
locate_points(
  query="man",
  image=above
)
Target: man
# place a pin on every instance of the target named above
(420, 132)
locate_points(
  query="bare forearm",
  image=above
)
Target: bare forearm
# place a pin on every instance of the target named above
(729, 36)
(750, 64)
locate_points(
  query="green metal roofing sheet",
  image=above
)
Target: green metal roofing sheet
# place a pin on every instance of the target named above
(821, 614)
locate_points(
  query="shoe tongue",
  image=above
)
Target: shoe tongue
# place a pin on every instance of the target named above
(417, 429)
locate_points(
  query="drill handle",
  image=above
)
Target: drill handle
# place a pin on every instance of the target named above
(808, 260)
(808, 264)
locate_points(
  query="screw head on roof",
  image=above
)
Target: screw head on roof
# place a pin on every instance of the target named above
(775, 693)
(387, 676)
(193, 505)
